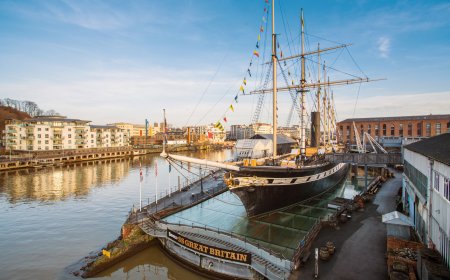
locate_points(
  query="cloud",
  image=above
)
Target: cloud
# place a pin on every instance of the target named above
(395, 105)
(384, 45)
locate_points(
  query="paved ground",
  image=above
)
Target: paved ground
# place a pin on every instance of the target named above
(360, 243)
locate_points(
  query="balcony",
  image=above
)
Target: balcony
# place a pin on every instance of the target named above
(11, 131)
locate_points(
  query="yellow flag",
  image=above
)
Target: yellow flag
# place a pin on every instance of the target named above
(245, 82)
(241, 88)
(106, 253)
(259, 37)
(231, 107)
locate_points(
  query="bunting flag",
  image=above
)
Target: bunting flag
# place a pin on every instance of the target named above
(292, 82)
(219, 126)
(281, 54)
(236, 98)
(245, 82)
(267, 1)
(231, 107)
(289, 72)
(265, 9)
(256, 53)
(257, 45)
(242, 89)
(285, 63)
(249, 73)
(259, 37)
(261, 29)
(170, 167)
(225, 119)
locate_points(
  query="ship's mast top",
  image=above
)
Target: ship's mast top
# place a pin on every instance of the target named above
(274, 65)
(302, 91)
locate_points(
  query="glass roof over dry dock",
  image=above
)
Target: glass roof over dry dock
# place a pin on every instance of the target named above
(280, 231)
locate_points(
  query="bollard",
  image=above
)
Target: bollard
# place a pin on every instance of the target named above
(316, 263)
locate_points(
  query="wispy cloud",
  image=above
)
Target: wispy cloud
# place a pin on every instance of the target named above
(384, 45)
(395, 105)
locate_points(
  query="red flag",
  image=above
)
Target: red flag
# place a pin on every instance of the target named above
(225, 119)
(210, 135)
(256, 53)
(156, 168)
(261, 29)
(281, 54)
(140, 172)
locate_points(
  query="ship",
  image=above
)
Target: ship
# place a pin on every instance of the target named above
(277, 181)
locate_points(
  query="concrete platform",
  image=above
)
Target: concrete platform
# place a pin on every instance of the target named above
(360, 243)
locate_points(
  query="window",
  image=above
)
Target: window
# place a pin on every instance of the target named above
(419, 129)
(447, 188)
(436, 181)
(376, 130)
(428, 129)
(410, 129)
(400, 130)
(46, 135)
(46, 129)
(46, 141)
(392, 129)
(362, 129)
(384, 129)
(69, 136)
(69, 129)
(369, 128)
(39, 129)
(39, 141)
(438, 128)
(348, 130)
(70, 141)
(39, 136)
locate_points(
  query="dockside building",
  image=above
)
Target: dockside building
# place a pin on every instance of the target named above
(426, 191)
(393, 127)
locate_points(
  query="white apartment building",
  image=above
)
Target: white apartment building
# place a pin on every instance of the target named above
(426, 191)
(56, 133)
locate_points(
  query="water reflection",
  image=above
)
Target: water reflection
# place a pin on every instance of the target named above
(52, 217)
(58, 183)
(148, 264)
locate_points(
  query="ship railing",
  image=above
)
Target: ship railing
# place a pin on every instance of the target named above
(306, 240)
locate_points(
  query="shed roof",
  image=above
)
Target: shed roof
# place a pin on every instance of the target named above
(437, 148)
(281, 139)
(396, 218)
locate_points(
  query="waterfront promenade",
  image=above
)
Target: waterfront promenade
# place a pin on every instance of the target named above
(360, 243)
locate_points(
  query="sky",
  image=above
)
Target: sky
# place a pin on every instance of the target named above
(124, 61)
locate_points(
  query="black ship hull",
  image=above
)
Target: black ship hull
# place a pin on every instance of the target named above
(281, 188)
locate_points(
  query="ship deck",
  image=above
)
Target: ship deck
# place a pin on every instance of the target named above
(279, 231)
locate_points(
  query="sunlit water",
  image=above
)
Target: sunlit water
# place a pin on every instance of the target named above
(52, 217)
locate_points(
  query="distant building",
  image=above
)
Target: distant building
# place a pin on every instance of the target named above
(291, 131)
(247, 131)
(400, 127)
(426, 191)
(58, 132)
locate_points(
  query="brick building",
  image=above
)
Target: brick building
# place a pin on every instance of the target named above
(401, 127)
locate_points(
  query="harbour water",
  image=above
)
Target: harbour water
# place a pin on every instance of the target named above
(52, 217)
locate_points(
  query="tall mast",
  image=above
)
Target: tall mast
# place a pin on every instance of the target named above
(274, 65)
(302, 90)
(318, 89)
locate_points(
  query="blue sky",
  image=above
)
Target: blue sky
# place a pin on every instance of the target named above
(111, 61)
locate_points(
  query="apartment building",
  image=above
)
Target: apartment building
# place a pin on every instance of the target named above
(58, 132)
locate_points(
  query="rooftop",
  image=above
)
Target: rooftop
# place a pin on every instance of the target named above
(281, 139)
(399, 118)
(437, 148)
(54, 119)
